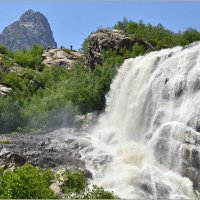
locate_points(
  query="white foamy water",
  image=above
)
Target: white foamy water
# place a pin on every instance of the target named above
(154, 101)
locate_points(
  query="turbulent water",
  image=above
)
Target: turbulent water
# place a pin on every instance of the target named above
(152, 110)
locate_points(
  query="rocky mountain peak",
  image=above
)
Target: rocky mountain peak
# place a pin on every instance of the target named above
(32, 16)
(32, 28)
(28, 14)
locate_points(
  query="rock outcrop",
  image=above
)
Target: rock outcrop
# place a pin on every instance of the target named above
(106, 39)
(60, 57)
(45, 150)
(32, 28)
(4, 90)
(7, 64)
(103, 40)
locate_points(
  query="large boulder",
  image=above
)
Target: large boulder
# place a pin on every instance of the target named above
(106, 39)
(4, 90)
(60, 57)
(31, 28)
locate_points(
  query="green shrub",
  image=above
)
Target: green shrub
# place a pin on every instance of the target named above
(27, 182)
(3, 50)
(10, 117)
(75, 186)
(31, 59)
(158, 36)
(73, 181)
(7, 61)
(94, 193)
(189, 36)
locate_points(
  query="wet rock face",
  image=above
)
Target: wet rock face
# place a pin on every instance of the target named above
(191, 157)
(179, 153)
(55, 150)
(31, 28)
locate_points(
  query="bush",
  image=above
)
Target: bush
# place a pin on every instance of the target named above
(7, 61)
(74, 185)
(73, 181)
(96, 193)
(10, 117)
(31, 58)
(27, 182)
(158, 36)
(3, 50)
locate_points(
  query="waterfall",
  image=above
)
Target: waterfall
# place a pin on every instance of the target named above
(146, 142)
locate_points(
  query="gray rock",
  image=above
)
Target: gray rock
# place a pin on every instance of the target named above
(4, 90)
(9, 158)
(31, 28)
(53, 150)
(56, 188)
(86, 121)
(112, 39)
(104, 40)
(59, 57)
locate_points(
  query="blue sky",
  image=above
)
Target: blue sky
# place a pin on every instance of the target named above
(73, 21)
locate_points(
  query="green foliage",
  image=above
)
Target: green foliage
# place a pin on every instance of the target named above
(10, 117)
(87, 89)
(27, 182)
(84, 47)
(75, 186)
(158, 36)
(96, 193)
(3, 50)
(31, 58)
(48, 111)
(49, 107)
(73, 181)
(6, 61)
(189, 36)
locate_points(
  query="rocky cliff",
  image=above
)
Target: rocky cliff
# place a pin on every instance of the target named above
(60, 57)
(112, 39)
(31, 28)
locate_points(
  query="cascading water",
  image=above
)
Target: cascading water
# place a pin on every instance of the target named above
(145, 141)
